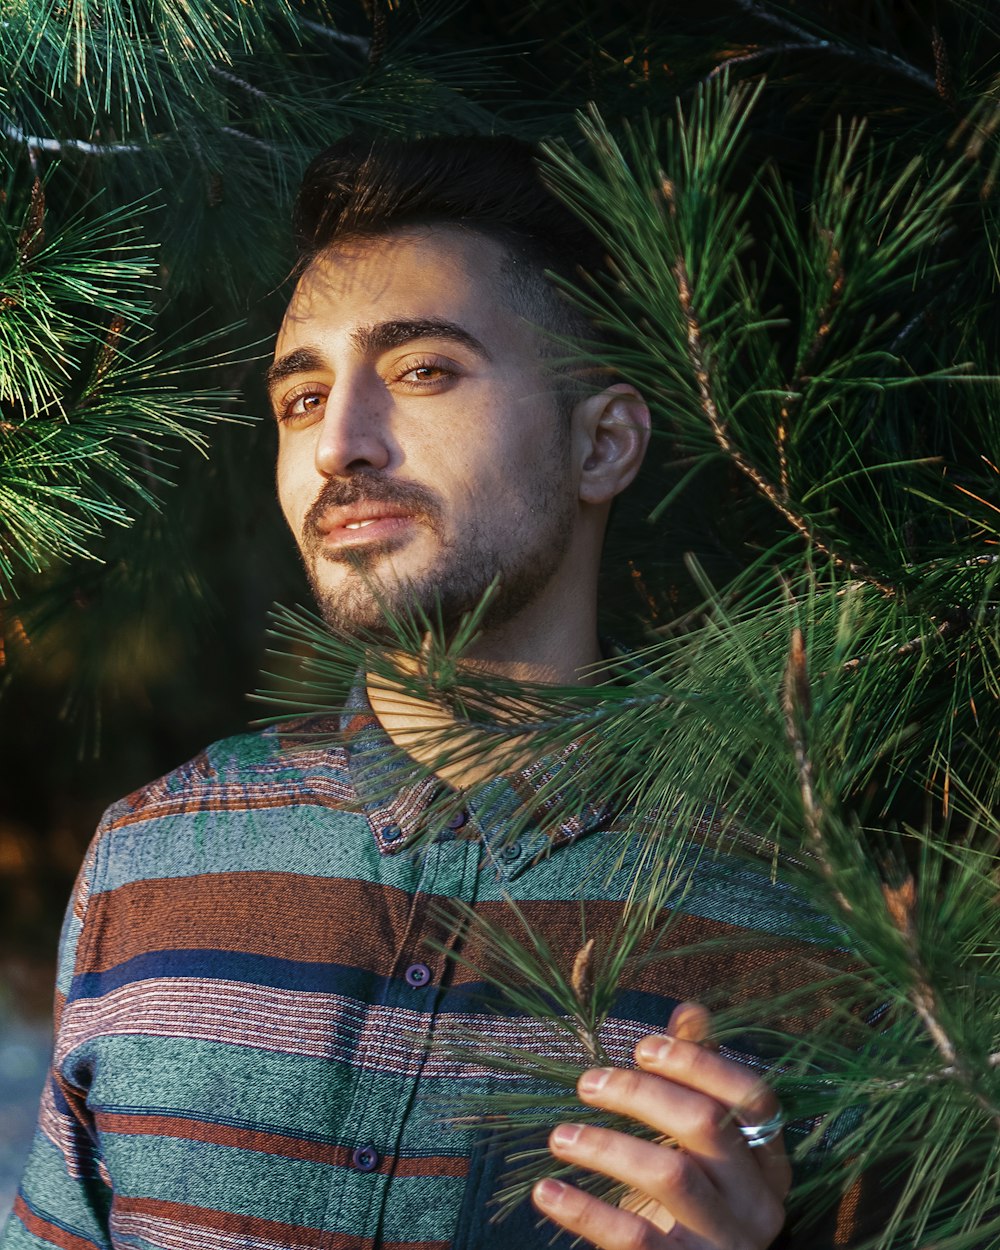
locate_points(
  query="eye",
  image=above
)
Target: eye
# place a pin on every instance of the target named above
(302, 404)
(423, 375)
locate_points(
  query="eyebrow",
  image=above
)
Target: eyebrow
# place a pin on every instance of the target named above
(301, 360)
(383, 337)
(372, 341)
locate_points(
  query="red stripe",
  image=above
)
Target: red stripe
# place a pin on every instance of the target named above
(51, 1233)
(152, 806)
(283, 1144)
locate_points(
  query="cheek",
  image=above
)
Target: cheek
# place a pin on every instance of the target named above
(293, 488)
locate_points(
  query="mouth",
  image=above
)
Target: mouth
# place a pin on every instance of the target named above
(356, 527)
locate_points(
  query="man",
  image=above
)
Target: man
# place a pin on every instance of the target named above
(254, 979)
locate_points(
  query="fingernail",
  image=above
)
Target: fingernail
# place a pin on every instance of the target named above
(656, 1048)
(566, 1134)
(593, 1080)
(549, 1192)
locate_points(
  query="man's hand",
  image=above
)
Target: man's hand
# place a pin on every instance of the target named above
(709, 1191)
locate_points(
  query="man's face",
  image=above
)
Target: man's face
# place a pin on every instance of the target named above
(422, 451)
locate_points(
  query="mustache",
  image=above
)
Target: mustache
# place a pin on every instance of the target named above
(371, 488)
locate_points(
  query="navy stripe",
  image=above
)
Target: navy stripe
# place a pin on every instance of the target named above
(474, 997)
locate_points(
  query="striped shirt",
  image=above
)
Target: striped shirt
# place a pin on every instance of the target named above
(254, 998)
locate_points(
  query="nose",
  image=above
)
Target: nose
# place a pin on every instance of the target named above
(353, 435)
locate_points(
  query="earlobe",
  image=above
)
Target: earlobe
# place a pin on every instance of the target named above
(614, 427)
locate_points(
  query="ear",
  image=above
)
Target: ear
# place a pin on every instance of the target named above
(613, 429)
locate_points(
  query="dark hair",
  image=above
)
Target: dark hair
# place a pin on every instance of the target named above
(358, 188)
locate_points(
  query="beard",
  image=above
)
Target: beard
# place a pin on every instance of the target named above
(521, 560)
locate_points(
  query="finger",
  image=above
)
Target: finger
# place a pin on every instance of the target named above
(730, 1084)
(607, 1227)
(689, 1022)
(701, 1125)
(670, 1178)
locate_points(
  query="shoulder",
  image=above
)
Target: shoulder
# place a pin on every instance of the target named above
(300, 755)
(242, 803)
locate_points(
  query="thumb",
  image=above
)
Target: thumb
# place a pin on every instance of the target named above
(690, 1022)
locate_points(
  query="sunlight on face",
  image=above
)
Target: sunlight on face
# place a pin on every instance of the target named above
(422, 448)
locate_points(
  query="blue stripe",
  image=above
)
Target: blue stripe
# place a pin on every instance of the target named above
(475, 997)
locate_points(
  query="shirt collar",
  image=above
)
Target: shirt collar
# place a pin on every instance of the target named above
(520, 816)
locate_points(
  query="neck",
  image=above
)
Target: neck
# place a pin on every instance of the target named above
(539, 646)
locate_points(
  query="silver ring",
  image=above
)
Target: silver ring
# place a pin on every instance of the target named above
(762, 1134)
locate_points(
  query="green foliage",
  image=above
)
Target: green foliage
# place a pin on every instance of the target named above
(801, 210)
(87, 406)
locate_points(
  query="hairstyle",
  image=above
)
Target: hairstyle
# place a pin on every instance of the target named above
(361, 188)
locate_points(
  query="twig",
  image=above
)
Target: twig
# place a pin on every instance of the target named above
(867, 56)
(38, 144)
(699, 362)
(361, 42)
(905, 648)
(942, 68)
(758, 54)
(901, 904)
(942, 1074)
(240, 134)
(376, 14)
(236, 81)
(796, 703)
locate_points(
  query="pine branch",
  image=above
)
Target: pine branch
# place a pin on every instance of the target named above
(758, 54)
(247, 87)
(39, 144)
(901, 904)
(361, 42)
(700, 366)
(796, 704)
(876, 58)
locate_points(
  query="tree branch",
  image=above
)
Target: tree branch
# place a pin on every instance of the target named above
(759, 54)
(900, 900)
(361, 42)
(699, 362)
(236, 81)
(901, 904)
(240, 134)
(796, 704)
(37, 144)
(866, 56)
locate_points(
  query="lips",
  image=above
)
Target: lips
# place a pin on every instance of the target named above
(368, 511)
(363, 523)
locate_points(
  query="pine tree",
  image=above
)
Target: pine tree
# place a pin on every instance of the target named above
(800, 206)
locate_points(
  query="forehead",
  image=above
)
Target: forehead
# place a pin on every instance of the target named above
(419, 274)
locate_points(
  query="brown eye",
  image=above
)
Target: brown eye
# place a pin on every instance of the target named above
(424, 376)
(301, 405)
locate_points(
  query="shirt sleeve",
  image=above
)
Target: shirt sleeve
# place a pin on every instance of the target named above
(64, 1199)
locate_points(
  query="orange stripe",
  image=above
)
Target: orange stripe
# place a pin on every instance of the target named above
(156, 807)
(48, 1232)
(282, 1144)
(249, 911)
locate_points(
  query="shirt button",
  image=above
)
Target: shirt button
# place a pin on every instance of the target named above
(511, 852)
(458, 819)
(417, 975)
(365, 1158)
(390, 833)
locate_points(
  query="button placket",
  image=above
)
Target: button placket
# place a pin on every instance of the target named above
(408, 978)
